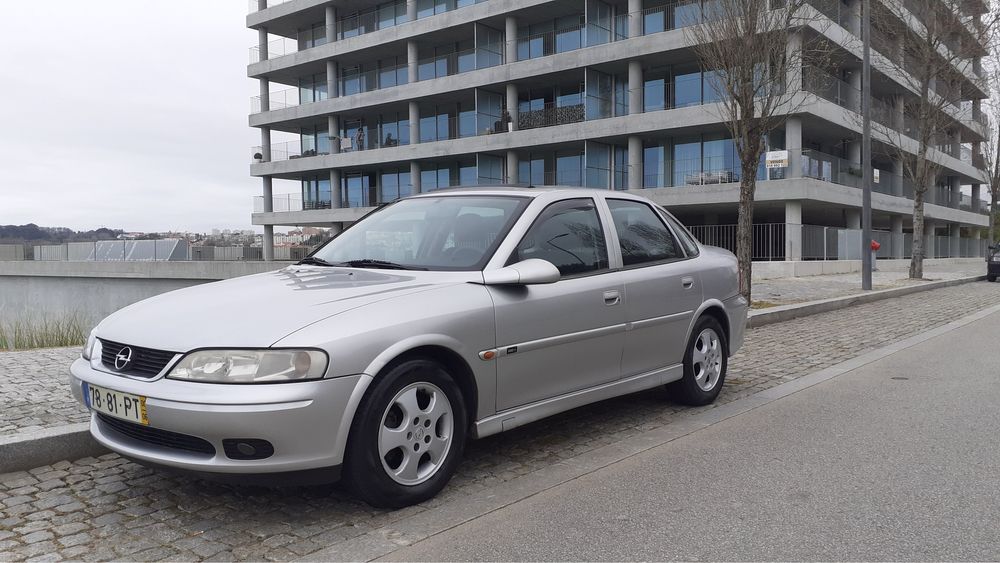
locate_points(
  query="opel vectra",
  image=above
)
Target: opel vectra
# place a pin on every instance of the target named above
(442, 316)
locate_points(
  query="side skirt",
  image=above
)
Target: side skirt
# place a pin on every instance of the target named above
(525, 414)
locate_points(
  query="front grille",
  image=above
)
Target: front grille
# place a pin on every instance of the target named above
(156, 436)
(146, 362)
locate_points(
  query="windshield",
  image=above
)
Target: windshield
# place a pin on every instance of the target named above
(455, 232)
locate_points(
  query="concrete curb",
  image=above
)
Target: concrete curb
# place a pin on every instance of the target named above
(27, 450)
(788, 312)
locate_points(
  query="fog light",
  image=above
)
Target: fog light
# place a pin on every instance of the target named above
(247, 448)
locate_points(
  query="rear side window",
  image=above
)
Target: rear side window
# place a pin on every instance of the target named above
(568, 234)
(687, 241)
(641, 233)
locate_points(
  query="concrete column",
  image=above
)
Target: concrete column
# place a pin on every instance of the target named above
(955, 183)
(976, 197)
(333, 132)
(414, 123)
(930, 196)
(854, 154)
(793, 52)
(512, 168)
(332, 79)
(793, 143)
(854, 92)
(635, 170)
(411, 10)
(265, 95)
(955, 240)
(852, 218)
(336, 199)
(929, 227)
(976, 247)
(635, 87)
(634, 18)
(261, 5)
(268, 193)
(512, 104)
(265, 143)
(262, 43)
(898, 108)
(793, 230)
(510, 40)
(415, 176)
(897, 236)
(412, 62)
(267, 242)
(331, 24)
(854, 17)
(897, 177)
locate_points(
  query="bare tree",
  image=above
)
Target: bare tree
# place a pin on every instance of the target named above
(936, 56)
(752, 50)
(988, 161)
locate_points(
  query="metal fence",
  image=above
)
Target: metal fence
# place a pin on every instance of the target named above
(834, 243)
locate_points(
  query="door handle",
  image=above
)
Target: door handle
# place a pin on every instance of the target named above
(612, 297)
(687, 283)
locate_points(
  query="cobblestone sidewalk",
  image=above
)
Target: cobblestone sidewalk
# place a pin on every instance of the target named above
(109, 508)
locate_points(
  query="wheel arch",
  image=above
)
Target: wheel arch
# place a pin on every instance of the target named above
(715, 309)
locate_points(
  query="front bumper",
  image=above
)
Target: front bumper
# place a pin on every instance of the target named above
(306, 422)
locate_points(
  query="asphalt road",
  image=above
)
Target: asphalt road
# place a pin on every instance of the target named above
(897, 460)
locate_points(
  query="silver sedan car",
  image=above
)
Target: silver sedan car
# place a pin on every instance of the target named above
(442, 316)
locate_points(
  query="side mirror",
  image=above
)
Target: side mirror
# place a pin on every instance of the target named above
(525, 272)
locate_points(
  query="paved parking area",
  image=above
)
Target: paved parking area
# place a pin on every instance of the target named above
(109, 508)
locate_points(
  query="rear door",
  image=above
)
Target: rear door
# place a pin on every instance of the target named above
(662, 288)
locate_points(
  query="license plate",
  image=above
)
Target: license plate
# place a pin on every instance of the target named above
(115, 403)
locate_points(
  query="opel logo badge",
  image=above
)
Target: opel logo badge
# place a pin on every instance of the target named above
(123, 358)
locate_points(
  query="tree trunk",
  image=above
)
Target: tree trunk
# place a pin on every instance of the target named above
(917, 258)
(744, 228)
(993, 214)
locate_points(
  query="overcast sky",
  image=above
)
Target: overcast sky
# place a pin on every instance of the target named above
(127, 114)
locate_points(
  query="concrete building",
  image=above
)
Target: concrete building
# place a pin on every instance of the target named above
(408, 96)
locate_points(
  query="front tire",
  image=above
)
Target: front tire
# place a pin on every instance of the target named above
(408, 436)
(705, 363)
(991, 277)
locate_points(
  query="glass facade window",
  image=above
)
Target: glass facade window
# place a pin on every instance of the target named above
(314, 140)
(395, 184)
(316, 192)
(555, 36)
(385, 73)
(312, 88)
(312, 36)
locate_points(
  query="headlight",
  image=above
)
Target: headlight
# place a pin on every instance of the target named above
(250, 366)
(88, 348)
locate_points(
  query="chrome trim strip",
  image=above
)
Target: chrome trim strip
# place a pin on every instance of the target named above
(653, 321)
(531, 345)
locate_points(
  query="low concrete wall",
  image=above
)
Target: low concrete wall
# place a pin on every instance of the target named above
(769, 270)
(91, 291)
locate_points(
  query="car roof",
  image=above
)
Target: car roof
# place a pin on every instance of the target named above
(524, 191)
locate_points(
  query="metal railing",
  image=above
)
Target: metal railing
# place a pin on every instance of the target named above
(551, 114)
(280, 203)
(278, 99)
(767, 239)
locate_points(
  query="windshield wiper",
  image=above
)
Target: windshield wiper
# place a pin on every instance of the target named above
(371, 263)
(315, 261)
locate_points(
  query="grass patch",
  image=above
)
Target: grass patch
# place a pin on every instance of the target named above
(42, 332)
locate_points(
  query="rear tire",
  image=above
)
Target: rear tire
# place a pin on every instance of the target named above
(706, 359)
(991, 277)
(408, 436)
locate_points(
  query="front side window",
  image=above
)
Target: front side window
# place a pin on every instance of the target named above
(428, 233)
(569, 235)
(641, 234)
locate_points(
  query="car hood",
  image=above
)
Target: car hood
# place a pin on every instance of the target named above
(258, 310)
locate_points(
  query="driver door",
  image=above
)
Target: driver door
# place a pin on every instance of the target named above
(565, 336)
